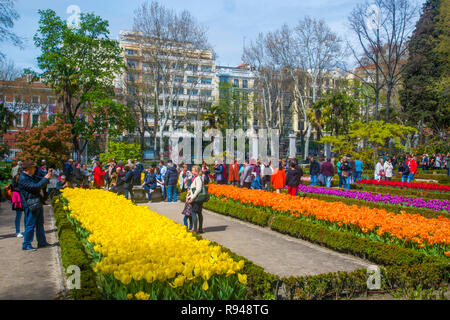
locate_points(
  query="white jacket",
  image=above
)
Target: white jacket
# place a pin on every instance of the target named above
(197, 184)
(388, 169)
(378, 168)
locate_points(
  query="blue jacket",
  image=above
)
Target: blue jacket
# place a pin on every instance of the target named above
(127, 180)
(150, 180)
(30, 187)
(359, 166)
(171, 177)
(68, 169)
(136, 176)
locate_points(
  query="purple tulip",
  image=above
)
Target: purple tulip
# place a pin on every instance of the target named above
(433, 204)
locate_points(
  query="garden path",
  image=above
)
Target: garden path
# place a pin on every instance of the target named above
(28, 275)
(277, 253)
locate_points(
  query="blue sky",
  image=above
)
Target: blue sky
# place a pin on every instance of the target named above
(228, 21)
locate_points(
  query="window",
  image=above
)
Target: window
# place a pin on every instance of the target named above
(18, 121)
(180, 90)
(206, 81)
(35, 120)
(132, 64)
(206, 68)
(192, 67)
(178, 79)
(131, 77)
(301, 126)
(18, 99)
(244, 84)
(236, 83)
(130, 52)
(192, 79)
(206, 93)
(192, 92)
(35, 99)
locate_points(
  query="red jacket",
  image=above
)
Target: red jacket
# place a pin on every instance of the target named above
(233, 172)
(99, 180)
(412, 166)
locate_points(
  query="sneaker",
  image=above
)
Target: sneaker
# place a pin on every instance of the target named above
(30, 248)
(19, 235)
(200, 231)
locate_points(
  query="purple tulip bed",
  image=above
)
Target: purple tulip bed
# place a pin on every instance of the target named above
(433, 204)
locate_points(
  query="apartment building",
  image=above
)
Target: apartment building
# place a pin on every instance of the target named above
(239, 93)
(177, 77)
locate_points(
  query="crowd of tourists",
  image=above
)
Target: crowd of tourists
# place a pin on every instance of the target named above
(33, 185)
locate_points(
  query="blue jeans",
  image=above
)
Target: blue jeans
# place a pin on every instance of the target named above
(357, 175)
(347, 182)
(149, 194)
(192, 221)
(341, 180)
(171, 193)
(404, 178)
(17, 221)
(34, 220)
(410, 177)
(314, 180)
(328, 181)
(131, 194)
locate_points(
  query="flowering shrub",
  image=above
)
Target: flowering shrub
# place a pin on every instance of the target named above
(412, 228)
(412, 185)
(434, 204)
(147, 256)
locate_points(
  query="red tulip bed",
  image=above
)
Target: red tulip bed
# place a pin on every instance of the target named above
(410, 185)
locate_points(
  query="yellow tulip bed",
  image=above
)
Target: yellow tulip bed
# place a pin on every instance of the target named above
(140, 254)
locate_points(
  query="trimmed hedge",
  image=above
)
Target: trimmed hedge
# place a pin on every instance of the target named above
(73, 253)
(389, 207)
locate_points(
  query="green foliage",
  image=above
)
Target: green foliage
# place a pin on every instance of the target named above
(80, 64)
(334, 112)
(424, 97)
(6, 119)
(72, 253)
(121, 151)
(376, 133)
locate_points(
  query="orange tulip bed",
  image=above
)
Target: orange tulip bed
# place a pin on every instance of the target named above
(409, 230)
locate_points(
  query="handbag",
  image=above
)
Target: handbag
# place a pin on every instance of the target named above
(187, 209)
(34, 204)
(203, 196)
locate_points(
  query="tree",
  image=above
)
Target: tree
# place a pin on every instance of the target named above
(6, 119)
(334, 113)
(8, 70)
(121, 151)
(80, 65)
(423, 99)
(163, 35)
(382, 38)
(378, 134)
(49, 142)
(7, 17)
(307, 53)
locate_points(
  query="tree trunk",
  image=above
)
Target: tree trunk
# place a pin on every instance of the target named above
(308, 134)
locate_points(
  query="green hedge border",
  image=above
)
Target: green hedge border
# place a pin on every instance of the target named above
(403, 268)
(73, 253)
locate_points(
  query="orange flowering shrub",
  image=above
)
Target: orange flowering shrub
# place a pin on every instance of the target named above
(409, 227)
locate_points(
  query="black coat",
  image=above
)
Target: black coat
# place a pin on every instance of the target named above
(292, 178)
(171, 177)
(126, 182)
(30, 187)
(136, 177)
(314, 168)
